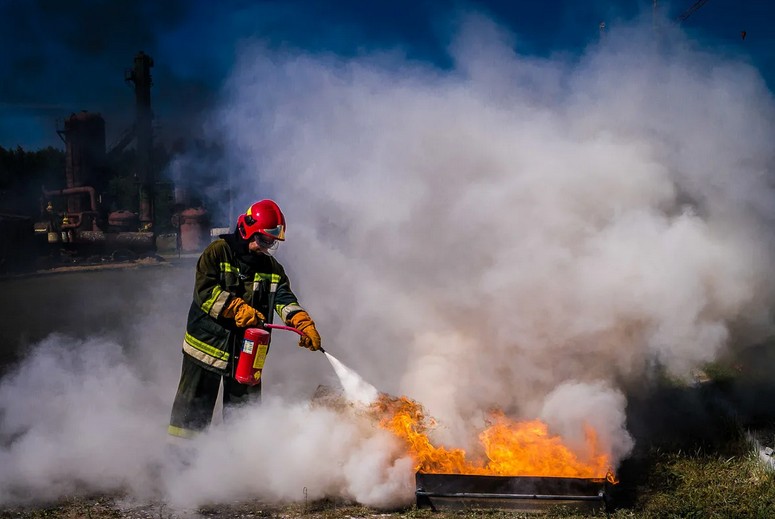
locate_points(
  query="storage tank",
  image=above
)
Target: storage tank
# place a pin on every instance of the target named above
(194, 232)
(123, 221)
(84, 135)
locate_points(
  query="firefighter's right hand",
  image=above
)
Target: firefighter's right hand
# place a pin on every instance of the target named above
(244, 315)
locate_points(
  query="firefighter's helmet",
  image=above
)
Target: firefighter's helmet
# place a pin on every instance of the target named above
(263, 218)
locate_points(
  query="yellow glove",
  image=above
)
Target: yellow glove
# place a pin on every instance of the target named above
(304, 323)
(244, 315)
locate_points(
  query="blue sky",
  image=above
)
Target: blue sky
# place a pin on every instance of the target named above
(64, 57)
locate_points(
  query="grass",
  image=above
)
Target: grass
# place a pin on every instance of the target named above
(708, 485)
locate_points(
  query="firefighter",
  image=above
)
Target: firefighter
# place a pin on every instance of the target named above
(238, 285)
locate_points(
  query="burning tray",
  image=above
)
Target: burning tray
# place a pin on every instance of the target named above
(526, 493)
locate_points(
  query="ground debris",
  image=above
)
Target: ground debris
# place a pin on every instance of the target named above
(127, 508)
(74, 508)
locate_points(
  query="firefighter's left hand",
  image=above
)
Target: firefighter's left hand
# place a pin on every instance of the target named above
(311, 339)
(304, 323)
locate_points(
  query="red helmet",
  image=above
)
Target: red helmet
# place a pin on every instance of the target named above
(265, 218)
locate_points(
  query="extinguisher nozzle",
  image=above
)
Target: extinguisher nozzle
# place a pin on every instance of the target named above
(321, 350)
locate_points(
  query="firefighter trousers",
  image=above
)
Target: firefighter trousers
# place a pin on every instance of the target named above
(192, 410)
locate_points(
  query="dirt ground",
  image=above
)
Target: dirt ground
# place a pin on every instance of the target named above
(105, 507)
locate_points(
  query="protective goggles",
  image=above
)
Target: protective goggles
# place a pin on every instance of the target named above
(266, 242)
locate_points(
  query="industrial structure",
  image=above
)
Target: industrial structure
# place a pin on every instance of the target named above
(77, 224)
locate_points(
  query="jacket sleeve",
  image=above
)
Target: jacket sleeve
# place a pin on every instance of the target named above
(285, 302)
(209, 294)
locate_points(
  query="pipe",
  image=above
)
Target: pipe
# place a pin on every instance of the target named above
(74, 191)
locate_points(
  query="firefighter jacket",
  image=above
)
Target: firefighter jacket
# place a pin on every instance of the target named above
(226, 269)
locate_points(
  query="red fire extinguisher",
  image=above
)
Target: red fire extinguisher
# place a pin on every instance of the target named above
(252, 356)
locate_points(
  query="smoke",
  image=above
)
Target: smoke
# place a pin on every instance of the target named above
(533, 234)
(484, 235)
(79, 417)
(291, 452)
(75, 415)
(596, 405)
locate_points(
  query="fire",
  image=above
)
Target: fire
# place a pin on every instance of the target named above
(510, 448)
(527, 448)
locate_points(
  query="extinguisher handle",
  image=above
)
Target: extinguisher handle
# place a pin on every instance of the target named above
(283, 327)
(288, 328)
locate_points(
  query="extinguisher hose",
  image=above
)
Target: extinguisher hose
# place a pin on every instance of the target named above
(289, 329)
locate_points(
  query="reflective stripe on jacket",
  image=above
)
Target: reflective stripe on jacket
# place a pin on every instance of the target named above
(226, 270)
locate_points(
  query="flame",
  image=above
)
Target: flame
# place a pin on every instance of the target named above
(510, 448)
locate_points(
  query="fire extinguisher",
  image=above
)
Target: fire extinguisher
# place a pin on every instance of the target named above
(255, 346)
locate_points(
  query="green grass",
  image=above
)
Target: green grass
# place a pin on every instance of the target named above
(708, 485)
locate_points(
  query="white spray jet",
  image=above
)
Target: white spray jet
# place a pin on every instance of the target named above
(355, 388)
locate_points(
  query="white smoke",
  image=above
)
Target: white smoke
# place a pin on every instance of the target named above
(512, 232)
(83, 416)
(75, 416)
(573, 405)
(484, 235)
(290, 452)
(78, 417)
